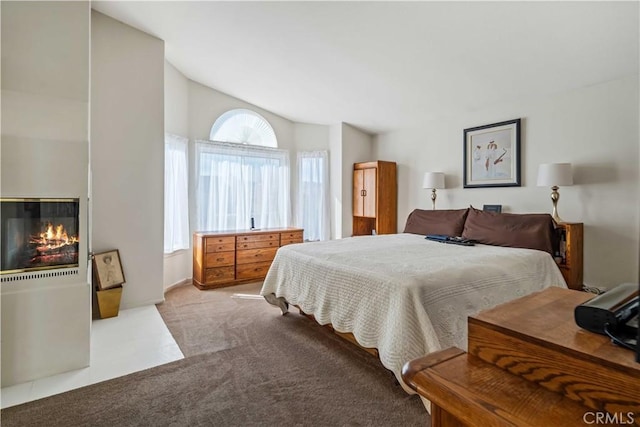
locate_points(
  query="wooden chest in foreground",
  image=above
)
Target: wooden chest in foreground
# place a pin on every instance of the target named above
(529, 364)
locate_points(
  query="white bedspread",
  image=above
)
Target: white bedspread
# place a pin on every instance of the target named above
(402, 294)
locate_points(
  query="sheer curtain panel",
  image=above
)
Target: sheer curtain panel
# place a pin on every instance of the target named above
(237, 182)
(176, 201)
(313, 195)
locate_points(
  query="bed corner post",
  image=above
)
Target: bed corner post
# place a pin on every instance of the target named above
(278, 301)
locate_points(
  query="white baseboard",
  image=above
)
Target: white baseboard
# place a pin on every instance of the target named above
(175, 285)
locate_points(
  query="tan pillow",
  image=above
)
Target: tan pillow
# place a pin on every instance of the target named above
(448, 222)
(531, 231)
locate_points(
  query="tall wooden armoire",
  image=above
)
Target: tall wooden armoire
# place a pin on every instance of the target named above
(375, 198)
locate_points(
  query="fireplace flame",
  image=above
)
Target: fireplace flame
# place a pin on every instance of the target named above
(54, 237)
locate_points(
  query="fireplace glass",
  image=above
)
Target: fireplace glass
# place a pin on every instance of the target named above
(38, 234)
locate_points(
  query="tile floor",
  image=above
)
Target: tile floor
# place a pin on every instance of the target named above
(135, 340)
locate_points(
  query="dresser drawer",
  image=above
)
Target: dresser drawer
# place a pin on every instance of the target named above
(290, 241)
(219, 259)
(248, 238)
(256, 255)
(219, 244)
(257, 245)
(219, 274)
(290, 237)
(252, 271)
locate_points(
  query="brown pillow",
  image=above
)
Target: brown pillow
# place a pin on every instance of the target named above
(447, 222)
(531, 231)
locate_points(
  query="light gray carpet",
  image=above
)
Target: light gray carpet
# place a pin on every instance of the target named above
(245, 365)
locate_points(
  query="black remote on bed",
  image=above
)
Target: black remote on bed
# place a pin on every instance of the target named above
(454, 240)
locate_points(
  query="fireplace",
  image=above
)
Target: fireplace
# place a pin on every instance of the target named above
(38, 234)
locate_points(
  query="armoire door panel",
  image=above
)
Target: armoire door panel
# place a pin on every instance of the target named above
(358, 191)
(369, 209)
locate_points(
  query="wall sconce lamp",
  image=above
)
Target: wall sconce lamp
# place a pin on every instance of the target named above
(433, 180)
(555, 175)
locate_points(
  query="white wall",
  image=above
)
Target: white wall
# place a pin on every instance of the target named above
(310, 137)
(176, 101)
(594, 128)
(45, 100)
(335, 180)
(127, 153)
(357, 146)
(177, 267)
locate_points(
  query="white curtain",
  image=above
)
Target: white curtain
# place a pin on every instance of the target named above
(176, 201)
(313, 195)
(236, 182)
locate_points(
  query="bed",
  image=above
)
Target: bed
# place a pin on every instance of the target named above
(402, 294)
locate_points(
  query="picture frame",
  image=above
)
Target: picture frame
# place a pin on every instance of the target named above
(107, 269)
(492, 155)
(492, 208)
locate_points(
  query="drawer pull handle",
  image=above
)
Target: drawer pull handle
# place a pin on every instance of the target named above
(220, 259)
(245, 245)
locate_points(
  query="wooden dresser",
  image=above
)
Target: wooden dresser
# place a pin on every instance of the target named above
(529, 364)
(232, 257)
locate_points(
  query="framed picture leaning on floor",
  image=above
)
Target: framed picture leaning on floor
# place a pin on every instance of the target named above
(108, 269)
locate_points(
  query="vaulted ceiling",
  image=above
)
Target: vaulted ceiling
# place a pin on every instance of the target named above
(385, 65)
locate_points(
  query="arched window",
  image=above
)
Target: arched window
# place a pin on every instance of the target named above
(245, 127)
(242, 177)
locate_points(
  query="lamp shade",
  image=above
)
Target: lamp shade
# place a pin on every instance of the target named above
(433, 180)
(555, 174)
